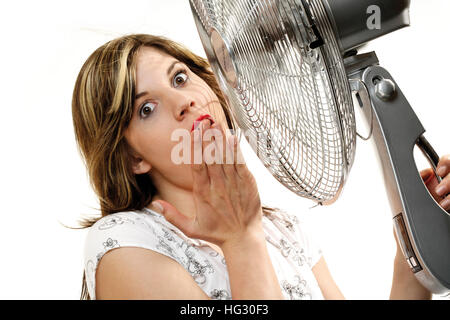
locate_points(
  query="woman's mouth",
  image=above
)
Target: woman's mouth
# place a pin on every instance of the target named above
(199, 120)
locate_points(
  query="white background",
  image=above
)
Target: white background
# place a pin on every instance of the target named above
(43, 181)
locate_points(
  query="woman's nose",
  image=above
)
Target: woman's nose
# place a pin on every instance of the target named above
(182, 103)
(183, 108)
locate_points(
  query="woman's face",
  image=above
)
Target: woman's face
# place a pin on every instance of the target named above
(169, 97)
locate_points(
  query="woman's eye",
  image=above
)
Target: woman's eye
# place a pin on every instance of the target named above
(179, 79)
(146, 109)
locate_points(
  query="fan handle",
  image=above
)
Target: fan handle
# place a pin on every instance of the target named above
(429, 154)
(421, 225)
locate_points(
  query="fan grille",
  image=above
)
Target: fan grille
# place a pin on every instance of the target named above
(292, 102)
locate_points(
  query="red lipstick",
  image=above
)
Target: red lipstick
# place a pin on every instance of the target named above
(199, 119)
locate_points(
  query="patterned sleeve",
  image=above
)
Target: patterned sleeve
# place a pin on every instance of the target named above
(304, 234)
(311, 243)
(124, 229)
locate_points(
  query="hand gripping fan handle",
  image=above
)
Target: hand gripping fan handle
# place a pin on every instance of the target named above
(422, 225)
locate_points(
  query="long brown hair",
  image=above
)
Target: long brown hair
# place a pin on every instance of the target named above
(102, 105)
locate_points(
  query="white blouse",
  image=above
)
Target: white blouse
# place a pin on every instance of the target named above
(290, 248)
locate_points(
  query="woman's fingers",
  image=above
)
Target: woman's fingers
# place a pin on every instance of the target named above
(443, 167)
(427, 175)
(212, 155)
(443, 188)
(172, 215)
(199, 170)
(229, 156)
(439, 190)
(431, 182)
(239, 163)
(445, 203)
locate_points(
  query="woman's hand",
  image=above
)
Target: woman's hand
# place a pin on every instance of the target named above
(228, 207)
(228, 214)
(439, 191)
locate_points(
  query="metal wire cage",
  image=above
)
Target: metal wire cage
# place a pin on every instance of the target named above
(285, 81)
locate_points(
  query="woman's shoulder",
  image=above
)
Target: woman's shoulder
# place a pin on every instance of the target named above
(128, 228)
(139, 229)
(116, 223)
(145, 217)
(123, 218)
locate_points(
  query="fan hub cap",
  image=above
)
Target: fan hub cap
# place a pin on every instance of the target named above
(224, 56)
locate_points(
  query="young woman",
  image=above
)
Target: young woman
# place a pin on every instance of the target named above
(194, 229)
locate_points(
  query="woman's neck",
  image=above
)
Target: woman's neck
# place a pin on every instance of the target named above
(179, 197)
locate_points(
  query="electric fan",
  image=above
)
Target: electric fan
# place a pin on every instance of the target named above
(288, 69)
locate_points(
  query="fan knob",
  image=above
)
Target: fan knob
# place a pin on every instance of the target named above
(385, 89)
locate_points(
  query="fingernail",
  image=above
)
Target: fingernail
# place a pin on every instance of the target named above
(445, 204)
(440, 189)
(441, 171)
(158, 207)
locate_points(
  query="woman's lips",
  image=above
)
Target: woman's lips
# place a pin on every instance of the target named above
(199, 119)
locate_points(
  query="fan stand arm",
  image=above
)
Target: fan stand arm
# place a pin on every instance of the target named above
(421, 225)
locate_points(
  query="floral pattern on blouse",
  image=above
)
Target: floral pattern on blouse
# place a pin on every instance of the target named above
(292, 251)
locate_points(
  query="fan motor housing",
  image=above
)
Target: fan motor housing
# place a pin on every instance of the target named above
(358, 22)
